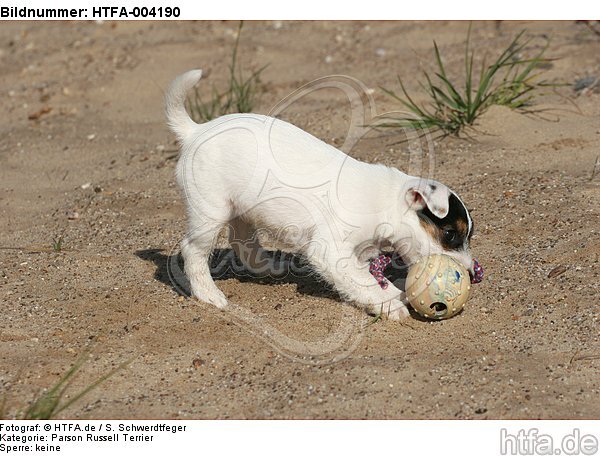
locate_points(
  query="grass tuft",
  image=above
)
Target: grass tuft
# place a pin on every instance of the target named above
(50, 403)
(509, 81)
(241, 94)
(3, 407)
(57, 244)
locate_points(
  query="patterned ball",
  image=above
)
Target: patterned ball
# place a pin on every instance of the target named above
(437, 286)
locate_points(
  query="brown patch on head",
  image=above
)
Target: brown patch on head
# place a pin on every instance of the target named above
(433, 231)
(462, 226)
(452, 231)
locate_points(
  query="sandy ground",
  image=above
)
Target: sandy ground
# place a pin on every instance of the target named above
(98, 169)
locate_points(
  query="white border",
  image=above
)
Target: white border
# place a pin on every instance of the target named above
(348, 10)
(290, 438)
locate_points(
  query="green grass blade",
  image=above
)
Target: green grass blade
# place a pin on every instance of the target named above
(45, 405)
(90, 387)
(410, 104)
(458, 99)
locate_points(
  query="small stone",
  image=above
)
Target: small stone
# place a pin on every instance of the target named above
(36, 115)
(589, 82)
(558, 270)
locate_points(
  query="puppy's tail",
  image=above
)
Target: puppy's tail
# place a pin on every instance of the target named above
(178, 119)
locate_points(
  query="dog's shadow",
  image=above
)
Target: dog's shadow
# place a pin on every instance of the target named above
(277, 268)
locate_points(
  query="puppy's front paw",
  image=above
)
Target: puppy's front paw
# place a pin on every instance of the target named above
(216, 299)
(397, 310)
(219, 301)
(394, 310)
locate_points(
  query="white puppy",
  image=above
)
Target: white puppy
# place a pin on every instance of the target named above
(250, 172)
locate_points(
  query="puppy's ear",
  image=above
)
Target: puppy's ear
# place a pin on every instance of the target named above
(421, 193)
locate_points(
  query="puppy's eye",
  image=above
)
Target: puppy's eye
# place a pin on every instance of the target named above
(449, 235)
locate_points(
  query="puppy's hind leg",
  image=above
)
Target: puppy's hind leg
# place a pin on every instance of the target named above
(196, 249)
(244, 242)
